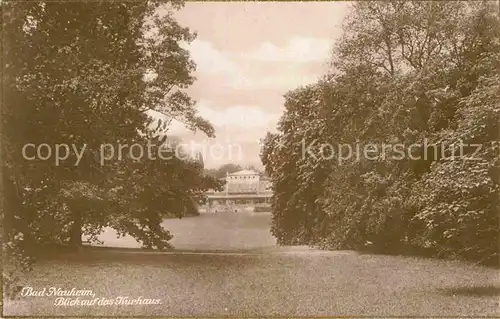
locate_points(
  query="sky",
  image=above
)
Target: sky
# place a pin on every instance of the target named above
(248, 55)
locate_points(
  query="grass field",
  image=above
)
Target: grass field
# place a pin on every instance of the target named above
(253, 277)
(209, 231)
(266, 284)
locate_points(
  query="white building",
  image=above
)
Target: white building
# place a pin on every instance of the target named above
(245, 187)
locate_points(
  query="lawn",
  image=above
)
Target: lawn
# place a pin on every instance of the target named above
(209, 231)
(229, 265)
(286, 283)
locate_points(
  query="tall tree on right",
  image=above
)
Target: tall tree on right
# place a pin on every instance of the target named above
(405, 72)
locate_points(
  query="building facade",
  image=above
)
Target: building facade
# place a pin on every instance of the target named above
(243, 190)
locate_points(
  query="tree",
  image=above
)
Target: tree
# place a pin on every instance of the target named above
(85, 74)
(223, 170)
(405, 73)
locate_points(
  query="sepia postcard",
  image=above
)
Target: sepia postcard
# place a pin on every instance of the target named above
(250, 159)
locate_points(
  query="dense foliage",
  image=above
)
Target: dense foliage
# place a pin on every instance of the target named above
(415, 85)
(85, 75)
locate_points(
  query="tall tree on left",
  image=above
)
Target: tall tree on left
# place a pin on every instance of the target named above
(77, 74)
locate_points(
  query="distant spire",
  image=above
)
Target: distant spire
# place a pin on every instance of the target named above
(199, 159)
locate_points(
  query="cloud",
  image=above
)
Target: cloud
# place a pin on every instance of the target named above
(209, 60)
(232, 70)
(238, 116)
(281, 83)
(174, 127)
(239, 131)
(298, 49)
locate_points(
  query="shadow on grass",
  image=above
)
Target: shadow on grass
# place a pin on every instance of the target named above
(143, 257)
(399, 251)
(478, 291)
(427, 253)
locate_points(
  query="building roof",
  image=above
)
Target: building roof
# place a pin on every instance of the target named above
(244, 172)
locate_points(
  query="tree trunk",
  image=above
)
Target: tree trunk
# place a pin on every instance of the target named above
(75, 240)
